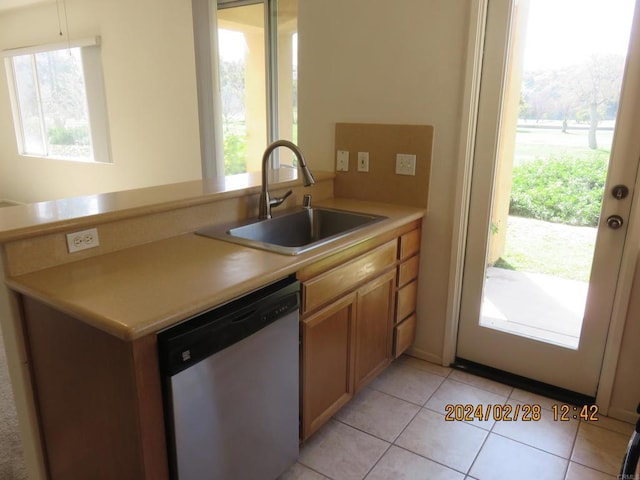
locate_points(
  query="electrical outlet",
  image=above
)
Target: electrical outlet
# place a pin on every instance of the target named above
(342, 161)
(363, 161)
(405, 164)
(82, 240)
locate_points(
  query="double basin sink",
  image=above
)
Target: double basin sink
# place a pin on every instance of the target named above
(295, 231)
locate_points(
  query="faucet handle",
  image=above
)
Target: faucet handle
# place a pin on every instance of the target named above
(306, 200)
(274, 202)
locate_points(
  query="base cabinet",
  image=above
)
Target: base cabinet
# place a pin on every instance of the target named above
(327, 362)
(98, 398)
(346, 344)
(404, 332)
(374, 323)
(358, 313)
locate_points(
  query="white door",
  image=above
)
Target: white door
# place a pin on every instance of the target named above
(545, 234)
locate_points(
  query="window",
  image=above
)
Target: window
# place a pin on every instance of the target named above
(58, 101)
(257, 60)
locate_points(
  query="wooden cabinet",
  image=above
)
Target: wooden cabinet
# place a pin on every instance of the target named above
(99, 399)
(404, 331)
(358, 312)
(373, 328)
(346, 331)
(345, 345)
(345, 277)
(327, 362)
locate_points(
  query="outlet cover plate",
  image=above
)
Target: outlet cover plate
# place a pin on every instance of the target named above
(342, 161)
(405, 164)
(82, 240)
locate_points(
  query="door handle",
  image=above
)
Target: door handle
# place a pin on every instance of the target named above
(615, 222)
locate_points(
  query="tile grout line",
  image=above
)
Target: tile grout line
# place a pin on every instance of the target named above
(489, 432)
(393, 443)
(448, 467)
(475, 458)
(575, 440)
(377, 461)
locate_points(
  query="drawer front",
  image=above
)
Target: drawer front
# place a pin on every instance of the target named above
(329, 285)
(406, 303)
(409, 244)
(408, 270)
(403, 335)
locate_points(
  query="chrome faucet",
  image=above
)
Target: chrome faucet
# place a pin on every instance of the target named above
(264, 207)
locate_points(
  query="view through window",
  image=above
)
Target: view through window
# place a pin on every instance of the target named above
(51, 101)
(258, 95)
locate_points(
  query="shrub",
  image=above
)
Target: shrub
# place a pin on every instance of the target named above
(235, 148)
(563, 190)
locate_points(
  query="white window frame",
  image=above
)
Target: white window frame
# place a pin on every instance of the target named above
(95, 97)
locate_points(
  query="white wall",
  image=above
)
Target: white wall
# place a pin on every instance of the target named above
(378, 61)
(149, 70)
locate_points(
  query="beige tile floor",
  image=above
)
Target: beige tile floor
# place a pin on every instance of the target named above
(396, 429)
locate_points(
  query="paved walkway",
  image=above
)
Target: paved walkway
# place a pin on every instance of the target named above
(534, 305)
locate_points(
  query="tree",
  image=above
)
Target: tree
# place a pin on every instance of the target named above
(232, 90)
(598, 87)
(592, 86)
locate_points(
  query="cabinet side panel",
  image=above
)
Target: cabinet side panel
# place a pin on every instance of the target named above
(85, 395)
(150, 406)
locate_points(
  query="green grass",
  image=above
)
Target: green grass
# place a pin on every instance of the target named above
(539, 143)
(543, 247)
(540, 246)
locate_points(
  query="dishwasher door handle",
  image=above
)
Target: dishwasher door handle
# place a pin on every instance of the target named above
(244, 318)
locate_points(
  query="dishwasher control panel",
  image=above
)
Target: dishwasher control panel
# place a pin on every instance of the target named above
(203, 335)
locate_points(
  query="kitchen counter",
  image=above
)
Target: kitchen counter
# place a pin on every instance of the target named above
(150, 271)
(140, 290)
(24, 221)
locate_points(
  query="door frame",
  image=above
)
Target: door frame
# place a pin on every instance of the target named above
(466, 149)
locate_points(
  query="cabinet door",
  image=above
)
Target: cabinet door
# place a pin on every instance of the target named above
(327, 362)
(374, 327)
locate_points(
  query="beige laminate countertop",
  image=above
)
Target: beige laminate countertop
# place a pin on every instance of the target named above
(141, 290)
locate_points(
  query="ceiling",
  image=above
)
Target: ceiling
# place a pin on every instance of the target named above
(13, 4)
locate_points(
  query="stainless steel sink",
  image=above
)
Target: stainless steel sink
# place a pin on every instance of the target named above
(295, 231)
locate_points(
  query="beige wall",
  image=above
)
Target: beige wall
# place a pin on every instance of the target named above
(369, 61)
(149, 70)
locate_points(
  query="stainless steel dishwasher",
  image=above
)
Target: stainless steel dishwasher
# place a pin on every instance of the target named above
(230, 381)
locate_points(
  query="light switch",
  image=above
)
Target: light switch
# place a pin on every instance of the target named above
(363, 161)
(342, 161)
